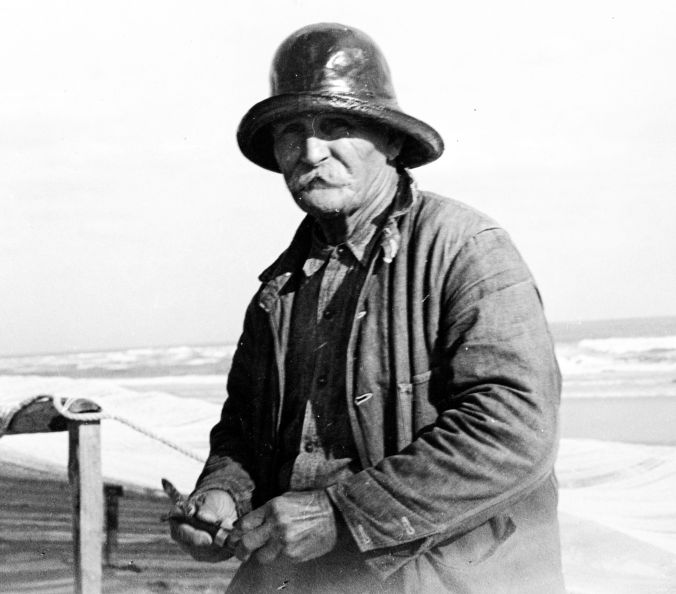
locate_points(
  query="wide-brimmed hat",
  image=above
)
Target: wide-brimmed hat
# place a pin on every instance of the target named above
(332, 68)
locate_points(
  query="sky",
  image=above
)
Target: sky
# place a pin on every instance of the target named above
(128, 217)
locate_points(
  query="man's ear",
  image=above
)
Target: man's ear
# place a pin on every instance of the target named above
(394, 143)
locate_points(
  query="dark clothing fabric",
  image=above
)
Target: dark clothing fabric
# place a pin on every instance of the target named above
(452, 392)
(316, 446)
(341, 571)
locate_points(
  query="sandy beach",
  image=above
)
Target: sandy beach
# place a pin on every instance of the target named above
(36, 547)
(36, 542)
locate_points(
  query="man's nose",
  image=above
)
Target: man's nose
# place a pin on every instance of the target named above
(315, 150)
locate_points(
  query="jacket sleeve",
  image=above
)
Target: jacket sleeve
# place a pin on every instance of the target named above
(496, 394)
(229, 455)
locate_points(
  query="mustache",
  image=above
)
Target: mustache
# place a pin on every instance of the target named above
(320, 177)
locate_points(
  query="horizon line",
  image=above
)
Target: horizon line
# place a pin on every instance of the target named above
(108, 349)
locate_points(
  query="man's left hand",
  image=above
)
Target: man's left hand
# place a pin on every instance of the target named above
(299, 525)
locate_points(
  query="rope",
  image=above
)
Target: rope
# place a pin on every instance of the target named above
(63, 409)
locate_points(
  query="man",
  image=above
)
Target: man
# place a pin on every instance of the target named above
(391, 419)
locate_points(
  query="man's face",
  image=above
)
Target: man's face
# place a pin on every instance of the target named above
(332, 164)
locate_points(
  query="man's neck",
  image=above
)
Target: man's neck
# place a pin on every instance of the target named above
(340, 229)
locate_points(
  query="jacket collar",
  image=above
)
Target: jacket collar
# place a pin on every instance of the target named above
(359, 246)
(275, 276)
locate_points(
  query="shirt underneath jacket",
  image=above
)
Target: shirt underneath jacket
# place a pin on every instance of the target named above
(317, 447)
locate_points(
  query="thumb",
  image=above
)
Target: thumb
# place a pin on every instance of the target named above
(252, 520)
(215, 507)
(208, 515)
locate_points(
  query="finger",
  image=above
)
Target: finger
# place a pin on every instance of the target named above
(252, 541)
(242, 553)
(182, 532)
(220, 537)
(257, 537)
(174, 526)
(252, 520)
(194, 543)
(208, 514)
(234, 536)
(210, 519)
(269, 552)
(233, 540)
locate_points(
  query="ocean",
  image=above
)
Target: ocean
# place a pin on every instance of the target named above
(614, 358)
(619, 375)
(619, 379)
(616, 464)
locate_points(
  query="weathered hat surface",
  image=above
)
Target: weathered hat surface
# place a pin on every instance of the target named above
(332, 68)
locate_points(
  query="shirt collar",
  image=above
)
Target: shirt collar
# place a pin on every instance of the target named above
(278, 273)
(359, 246)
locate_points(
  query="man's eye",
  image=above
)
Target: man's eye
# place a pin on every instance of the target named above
(289, 130)
(335, 127)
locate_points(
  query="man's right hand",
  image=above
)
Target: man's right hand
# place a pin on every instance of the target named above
(215, 508)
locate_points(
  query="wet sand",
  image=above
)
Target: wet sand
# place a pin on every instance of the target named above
(36, 547)
(627, 419)
(36, 544)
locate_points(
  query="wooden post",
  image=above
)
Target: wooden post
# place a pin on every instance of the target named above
(112, 494)
(84, 474)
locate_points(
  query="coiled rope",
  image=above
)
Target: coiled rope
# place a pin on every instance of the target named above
(63, 408)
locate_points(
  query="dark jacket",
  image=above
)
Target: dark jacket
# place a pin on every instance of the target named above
(453, 393)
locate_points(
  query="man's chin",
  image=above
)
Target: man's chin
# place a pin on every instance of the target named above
(322, 203)
(321, 213)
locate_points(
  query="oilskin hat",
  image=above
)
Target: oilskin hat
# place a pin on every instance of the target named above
(332, 68)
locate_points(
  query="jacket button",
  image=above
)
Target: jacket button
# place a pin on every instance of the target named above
(328, 314)
(309, 447)
(321, 381)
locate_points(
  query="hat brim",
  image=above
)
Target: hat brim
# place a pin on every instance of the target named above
(422, 143)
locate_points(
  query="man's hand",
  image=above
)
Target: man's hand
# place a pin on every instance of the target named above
(299, 525)
(212, 509)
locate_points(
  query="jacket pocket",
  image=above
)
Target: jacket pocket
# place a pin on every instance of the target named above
(476, 546)
(404, 414)
(413, 410)
(368, 408)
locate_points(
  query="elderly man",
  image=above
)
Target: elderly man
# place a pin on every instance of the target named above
(391, 419)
